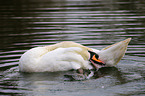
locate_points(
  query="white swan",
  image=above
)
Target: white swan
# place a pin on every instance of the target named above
(69, 55)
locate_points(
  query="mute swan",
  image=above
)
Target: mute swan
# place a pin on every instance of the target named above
(69, 55)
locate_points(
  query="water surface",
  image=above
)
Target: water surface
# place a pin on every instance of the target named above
(94, 23)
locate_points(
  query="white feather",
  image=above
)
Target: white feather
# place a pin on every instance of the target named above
(61, 59)
(68, 55)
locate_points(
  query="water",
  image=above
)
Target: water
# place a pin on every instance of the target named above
(94, 23)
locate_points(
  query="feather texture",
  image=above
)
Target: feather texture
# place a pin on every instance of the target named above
(68, 55)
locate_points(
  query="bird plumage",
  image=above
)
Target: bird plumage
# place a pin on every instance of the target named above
(68, 55)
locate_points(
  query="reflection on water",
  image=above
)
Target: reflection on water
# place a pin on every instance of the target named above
(94, 23)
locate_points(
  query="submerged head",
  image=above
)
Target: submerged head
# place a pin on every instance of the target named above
(95, 61)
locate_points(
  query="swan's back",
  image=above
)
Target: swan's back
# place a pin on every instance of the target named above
(58, 57)
(30, 59)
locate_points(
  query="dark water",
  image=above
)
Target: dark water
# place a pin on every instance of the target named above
(94, 23)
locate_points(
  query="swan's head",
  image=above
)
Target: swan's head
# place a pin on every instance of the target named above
(95, 61)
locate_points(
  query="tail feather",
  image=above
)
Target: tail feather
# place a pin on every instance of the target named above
(112, 54)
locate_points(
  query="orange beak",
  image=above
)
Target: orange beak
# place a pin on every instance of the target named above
(97, 60)
(97, 63)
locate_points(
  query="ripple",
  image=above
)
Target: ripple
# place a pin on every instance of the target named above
(93, 23)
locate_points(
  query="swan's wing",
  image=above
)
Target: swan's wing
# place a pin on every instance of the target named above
(64, 59)
(66, 44)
